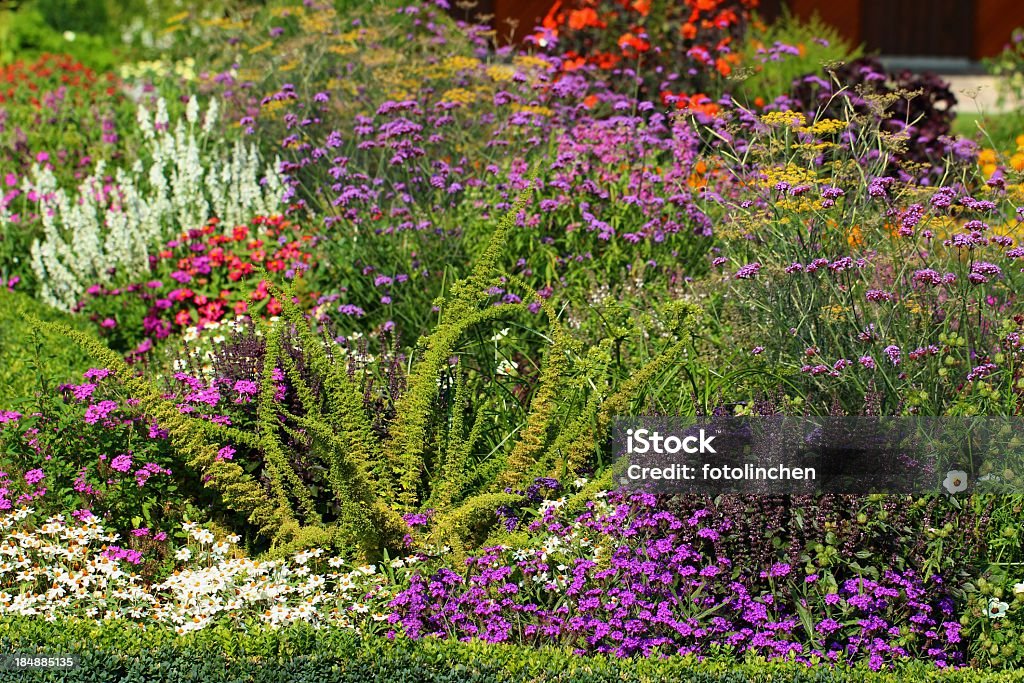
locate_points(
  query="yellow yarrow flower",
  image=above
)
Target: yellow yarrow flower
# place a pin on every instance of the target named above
(532, 109)
(823, 127)
(531, 61)
(501, 72)
(459, 95)
(459, 63)
(784, 118)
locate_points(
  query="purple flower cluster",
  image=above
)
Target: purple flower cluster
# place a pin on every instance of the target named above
(626, 577)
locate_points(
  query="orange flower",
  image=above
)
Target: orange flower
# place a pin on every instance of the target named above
(589, 101)
(552, 20)
(1017, 162)
(723, 67)
(583, 18)
(688, 30)
(855, 238)
(635, 42)
(642, 6)
(698, 102)
(573, 63)
(698, 178)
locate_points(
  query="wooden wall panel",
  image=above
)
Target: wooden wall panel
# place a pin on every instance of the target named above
(956, 28)
(845, 15)
(528, 14)
(993, 24)
(939, 28)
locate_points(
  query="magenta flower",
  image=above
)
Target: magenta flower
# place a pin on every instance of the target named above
(82, 392)
(99, 411)
(122, 463)
(748, 271)
(893, 352)
(246, 390)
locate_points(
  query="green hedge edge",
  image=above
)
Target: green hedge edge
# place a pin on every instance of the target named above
(123, 651)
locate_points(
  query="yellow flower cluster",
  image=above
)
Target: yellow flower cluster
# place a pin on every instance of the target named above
(261, 47)
(459, 63)
(288, 11)
(532, 109)
(531, 62)
(459, 95)
(183, 69)
(368, 34)
(320, 22)
(775, 119)
(790, 173)
(822, 127)
(501, 72)
(834, 313)
(221, 23)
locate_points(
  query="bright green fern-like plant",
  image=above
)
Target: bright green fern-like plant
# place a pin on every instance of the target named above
(364, 484)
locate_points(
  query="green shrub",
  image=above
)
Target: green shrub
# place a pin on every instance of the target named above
(365, 483)
(28, 358)
(26, 32)
(1009, 67)
(118, 652)
(769, 66)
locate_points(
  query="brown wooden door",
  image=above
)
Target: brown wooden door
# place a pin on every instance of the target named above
(938, 28)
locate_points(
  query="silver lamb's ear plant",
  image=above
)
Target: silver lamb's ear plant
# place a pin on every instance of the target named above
(372, 483)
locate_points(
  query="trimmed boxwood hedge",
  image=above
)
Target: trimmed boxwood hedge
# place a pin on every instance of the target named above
(119, 651)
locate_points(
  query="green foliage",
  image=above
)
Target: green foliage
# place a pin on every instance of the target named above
(115, 651)
(1009, 66)
(187, 435)
(368, 483)
(33, 29)
(768, 71)
(27, 358)
(996, 131)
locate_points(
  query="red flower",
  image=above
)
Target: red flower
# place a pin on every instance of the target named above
(212, 311)
(584, 18)
(260, 293)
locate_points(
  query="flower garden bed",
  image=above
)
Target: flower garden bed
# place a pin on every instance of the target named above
(313, 348)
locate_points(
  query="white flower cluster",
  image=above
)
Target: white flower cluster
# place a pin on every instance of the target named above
(189, 176)
(59, 569)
